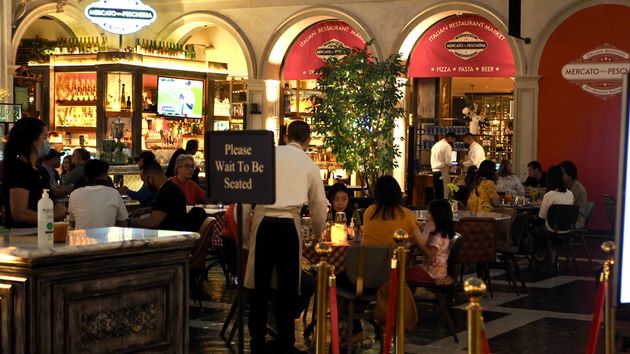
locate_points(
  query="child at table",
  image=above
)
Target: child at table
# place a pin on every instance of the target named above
(434, 243)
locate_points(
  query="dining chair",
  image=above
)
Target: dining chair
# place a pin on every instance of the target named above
(216, 255)
(367, 267)
(198, 258)
(444, 289)
(581, 232)
(506, 249)
(479, 245)
(561, 219)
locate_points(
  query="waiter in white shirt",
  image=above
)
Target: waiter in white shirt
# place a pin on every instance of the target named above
(275, 244)
(476, 155)
(441, 162)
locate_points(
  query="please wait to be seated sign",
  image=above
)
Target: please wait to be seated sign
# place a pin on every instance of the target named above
(240, 166)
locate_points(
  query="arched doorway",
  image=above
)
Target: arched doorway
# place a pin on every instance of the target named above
(218, 40)
(579, 101)
(462, 68)
(37, 34)
(303, 52)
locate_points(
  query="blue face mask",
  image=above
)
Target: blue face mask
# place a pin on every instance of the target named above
(44, 150)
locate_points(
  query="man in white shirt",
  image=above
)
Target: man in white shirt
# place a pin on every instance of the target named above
(97, 204)
(441, 161)
(275, 242)
(475, 155)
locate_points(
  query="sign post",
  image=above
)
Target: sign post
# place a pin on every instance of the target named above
(240, 168)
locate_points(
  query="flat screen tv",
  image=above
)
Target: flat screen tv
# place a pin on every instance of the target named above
(181, 98)
(621, 277)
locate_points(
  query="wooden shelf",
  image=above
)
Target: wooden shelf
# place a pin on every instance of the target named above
(75, 103)
(74, 127)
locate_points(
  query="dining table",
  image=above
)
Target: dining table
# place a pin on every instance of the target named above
(421, 215)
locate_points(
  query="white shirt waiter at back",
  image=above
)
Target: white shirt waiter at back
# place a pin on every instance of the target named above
(441, 155)
(476, 154)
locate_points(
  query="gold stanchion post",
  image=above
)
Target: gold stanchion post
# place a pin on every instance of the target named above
(401, 237)
(474, 289)
(609, 314)
(323, 251)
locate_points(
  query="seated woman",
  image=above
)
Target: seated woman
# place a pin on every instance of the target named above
(438, 231)
(339, 199)
(22, 184)
(508, 182)
(184, 168)
(387, 215)
(483, 196)
(557, 193)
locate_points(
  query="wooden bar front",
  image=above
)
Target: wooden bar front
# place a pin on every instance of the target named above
(108, 290)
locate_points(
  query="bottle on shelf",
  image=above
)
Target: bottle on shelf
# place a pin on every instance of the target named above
(128, 102)
(122, 97)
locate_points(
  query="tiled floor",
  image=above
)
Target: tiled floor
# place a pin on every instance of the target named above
(552, 317)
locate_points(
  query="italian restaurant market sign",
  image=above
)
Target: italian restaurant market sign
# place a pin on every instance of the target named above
(120, 16)
(466, 45)
(240, 166)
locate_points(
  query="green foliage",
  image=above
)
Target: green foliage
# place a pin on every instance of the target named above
(357, 111)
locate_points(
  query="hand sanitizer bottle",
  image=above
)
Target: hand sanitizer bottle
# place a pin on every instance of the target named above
(45, 221)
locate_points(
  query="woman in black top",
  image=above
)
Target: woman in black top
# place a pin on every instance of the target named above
(22, 184)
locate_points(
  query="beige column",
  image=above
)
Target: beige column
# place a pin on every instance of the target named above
(6, 52)
(265, 93)
(525, 113)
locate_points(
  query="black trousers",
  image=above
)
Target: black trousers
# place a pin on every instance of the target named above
(277, 244)
(438, 185)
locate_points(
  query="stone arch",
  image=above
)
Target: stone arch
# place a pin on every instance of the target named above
(285, 34)
(555, 22)
(407, 38)
(72, 18)
(182, 25)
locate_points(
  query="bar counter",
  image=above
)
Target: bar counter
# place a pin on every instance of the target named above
(106, 290)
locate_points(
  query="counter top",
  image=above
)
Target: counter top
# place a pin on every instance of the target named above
(21, 244)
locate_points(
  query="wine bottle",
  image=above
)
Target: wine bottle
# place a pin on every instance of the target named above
(128, 102)
(122, 97)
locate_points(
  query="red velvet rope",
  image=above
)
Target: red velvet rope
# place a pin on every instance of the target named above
(597, 318)
(389, 327)
(485, 347)
(334, 334)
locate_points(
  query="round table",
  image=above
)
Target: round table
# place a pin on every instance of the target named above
(421, 215)
(337, 256)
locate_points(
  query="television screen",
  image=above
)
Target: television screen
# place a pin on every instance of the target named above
(180, 97)
(621, 281)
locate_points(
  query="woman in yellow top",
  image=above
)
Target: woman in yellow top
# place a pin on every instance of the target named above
(483, 196)
(387, 215)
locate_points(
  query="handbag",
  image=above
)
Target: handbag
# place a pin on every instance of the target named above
(382, 304)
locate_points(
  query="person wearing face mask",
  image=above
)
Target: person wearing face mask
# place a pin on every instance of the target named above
(21, 180)
(169, 208)
(475, 155)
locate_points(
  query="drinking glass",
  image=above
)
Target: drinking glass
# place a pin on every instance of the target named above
(340, 218)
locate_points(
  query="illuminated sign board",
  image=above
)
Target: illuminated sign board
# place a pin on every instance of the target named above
(621, 282)
(120, 16)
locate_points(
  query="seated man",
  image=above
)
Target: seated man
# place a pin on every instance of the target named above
(580, 197)
(536, 177)
(169, 208)
(184, 167)
(79, 158)
(144, 195)
(97, 204)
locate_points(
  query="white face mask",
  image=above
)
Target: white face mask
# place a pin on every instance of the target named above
(44, 150)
